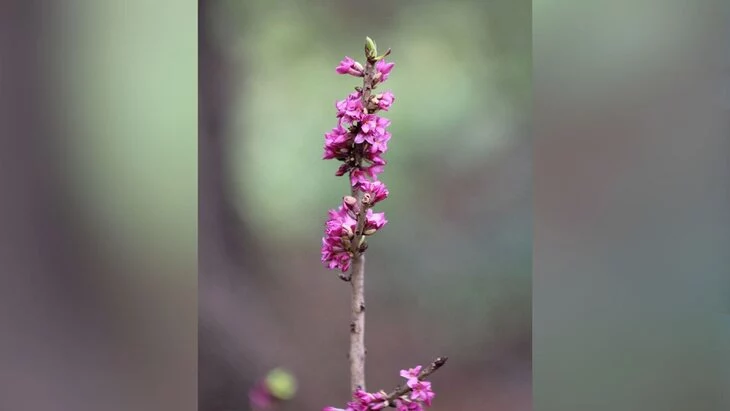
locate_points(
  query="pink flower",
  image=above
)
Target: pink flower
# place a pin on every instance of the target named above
(421, 391)
(379, 143)
(377, 191)
(368, 401)
(350, 110)
(374, 170)
(406, 405)
(373, 125)
(339, 228)
(356, 406)
(411, 373)
(385, 100)
(421, 396)
(374, 158)
(337, 143)
(374, 221)
(362, 396)
(358, 177)
(372, 129)
(334, 256)
(383, 70)
(350, 66)
(379, 405)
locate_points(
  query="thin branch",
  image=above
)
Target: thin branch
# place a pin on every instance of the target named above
(357, 324)
(404, 389)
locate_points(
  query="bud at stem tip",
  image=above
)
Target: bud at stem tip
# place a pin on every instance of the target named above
(371, 50)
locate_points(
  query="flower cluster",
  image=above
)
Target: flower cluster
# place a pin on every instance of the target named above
(359, 141)
(416, 398)
(420, 390)
(341, 227)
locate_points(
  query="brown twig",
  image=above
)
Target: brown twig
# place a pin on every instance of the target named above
(357, 324)
(404, 389)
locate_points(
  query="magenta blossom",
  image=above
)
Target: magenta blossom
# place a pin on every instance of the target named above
(350, 109)
(375, 189)
(372, 129)
(359, 141)
(383, 69)
(411, 373)
(406, 405)
(374, 221)
(350, 66)
(421, 391)
(361, 138)
(339, 229)
(368, 401)
(384, 100)
(379, 145)
(337, 143)
(358, 176)
(420, 397)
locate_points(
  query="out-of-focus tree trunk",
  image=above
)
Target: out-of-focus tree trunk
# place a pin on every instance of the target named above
(232, 313)
(49, 310)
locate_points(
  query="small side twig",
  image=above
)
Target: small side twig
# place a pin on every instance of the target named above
(404, 389)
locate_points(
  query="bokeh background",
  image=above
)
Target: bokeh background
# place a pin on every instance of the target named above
(99, 236)
(98, 195)
(449, 275)
(631, 274)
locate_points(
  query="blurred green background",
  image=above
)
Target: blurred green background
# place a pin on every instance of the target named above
(450, 274)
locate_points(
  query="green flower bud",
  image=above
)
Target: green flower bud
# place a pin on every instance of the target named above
(370, 49)
(281, 384)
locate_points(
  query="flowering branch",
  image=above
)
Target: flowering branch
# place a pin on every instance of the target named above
(357, 351)
(359, 142)
(409, 397)
(402, 390)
